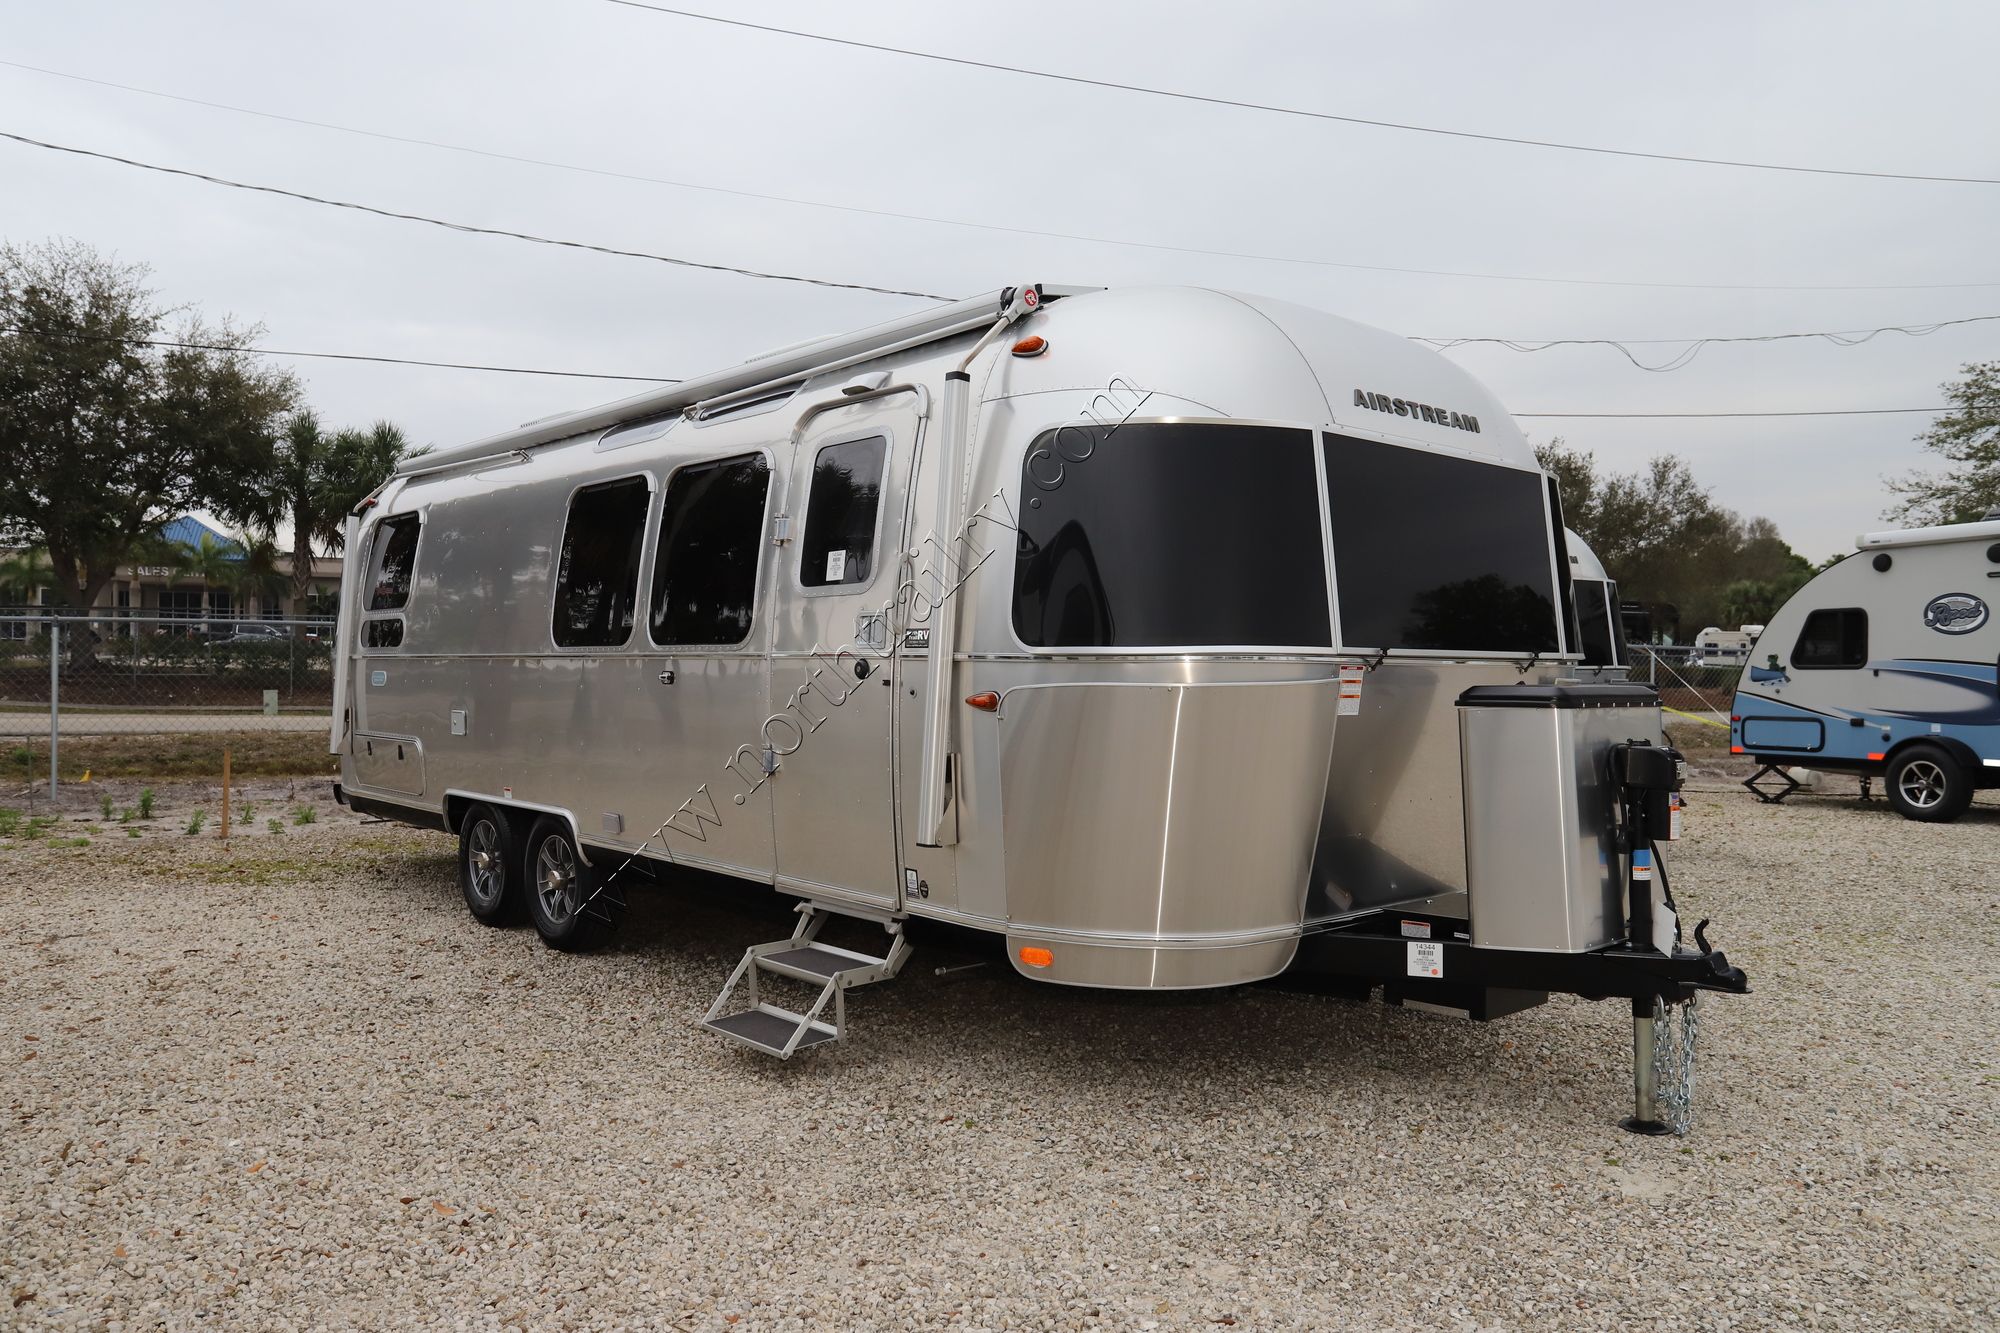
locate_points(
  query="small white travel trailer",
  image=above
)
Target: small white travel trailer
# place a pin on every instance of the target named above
(1718, 647)
(1176, 638)
(1884, 666)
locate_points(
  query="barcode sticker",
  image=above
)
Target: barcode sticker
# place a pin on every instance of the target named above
(1426, 959)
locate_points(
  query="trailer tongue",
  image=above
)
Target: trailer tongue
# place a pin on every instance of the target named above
(1566, 809)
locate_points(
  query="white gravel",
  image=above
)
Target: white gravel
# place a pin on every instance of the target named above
(293, 1085)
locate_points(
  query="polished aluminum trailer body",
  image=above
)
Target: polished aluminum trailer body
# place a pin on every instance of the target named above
(1133, 815)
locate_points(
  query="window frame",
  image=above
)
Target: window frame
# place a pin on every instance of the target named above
(369, 614)
(854, 436)
(1558, 563)
(1792, 658)
(1016, 460)
(748, 643)
(639, 574)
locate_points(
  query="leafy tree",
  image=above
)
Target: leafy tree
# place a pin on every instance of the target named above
(315, 478)
(1968, 438)
(1664, 538)
(103, 439)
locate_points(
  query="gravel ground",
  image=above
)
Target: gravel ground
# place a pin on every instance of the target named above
(291, 1084)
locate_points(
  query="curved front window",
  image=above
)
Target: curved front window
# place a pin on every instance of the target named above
(1170, 534)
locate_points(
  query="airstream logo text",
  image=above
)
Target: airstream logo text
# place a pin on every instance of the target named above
(1403, 407)
(1955, 613)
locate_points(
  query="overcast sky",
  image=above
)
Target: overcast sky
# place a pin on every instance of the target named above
(585, 82)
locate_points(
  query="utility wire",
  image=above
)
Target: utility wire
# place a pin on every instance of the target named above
(468, 227)
(1815, 412)
(1294, 111)
(1083, 237)
(335, 356)
(650, 379)
(1692, 349)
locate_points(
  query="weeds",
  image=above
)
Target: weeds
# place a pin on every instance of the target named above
(275, 825)
(146, 803)
(305, 814)
(104, 805)
(195, 822)
(125, 816)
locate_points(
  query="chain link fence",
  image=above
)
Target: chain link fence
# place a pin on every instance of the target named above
(143, 694)
(1684, 681)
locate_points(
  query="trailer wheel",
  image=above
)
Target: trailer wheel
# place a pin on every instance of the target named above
(1925, 783)
(489, 873)
(558, 883)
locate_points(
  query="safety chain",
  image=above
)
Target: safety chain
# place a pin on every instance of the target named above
(1673, 1062)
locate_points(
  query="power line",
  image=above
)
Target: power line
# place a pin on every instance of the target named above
(651, 379)
(1295, 111)
(468, 227)
(1815, 412)
(974, 224)
(338, 356)
(1847, 338)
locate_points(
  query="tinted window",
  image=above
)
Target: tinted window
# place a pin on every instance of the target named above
(384, 633)
(1152, 536)
(839, 543)
(1833, 639)
(1437, 552)
(393, 558)
(705, 570)
(597, 574)
(1595, 623)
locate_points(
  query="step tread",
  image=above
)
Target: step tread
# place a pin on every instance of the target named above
(821, 962)
(765, 1030)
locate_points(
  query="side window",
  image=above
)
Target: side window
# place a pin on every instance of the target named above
(1836, 638)
(597, 574)
(841, 514)
(705, 568)
(391, 561)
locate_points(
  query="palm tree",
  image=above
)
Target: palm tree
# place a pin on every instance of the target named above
(316, 480)
(218, 564)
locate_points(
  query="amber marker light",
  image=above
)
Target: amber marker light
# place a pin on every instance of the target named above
(1034, 957)
(1032, 345)
(986, 701)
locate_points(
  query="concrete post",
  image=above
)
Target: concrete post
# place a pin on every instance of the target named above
(55, 703)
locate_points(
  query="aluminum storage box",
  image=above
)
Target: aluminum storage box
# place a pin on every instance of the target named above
(1542, 866)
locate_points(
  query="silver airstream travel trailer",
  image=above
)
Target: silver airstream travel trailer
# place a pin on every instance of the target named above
(1883, 666)
(1177, 638)
(1600, 628)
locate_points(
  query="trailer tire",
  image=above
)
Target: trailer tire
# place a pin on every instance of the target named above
(1927, 784)
(556, 883)
(489, 872)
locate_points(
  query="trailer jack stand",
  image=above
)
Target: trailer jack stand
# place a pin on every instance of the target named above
(1645, 1117)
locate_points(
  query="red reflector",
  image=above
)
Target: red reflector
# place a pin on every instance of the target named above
(1736, 717)
(1736, 749)
(1878, 756)
(986, 701)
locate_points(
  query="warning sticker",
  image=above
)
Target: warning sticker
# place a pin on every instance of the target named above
(1350, 690)
(1426, 959)
(1416, 930)
(1642, 864)
(836, 566)
(1674, 818)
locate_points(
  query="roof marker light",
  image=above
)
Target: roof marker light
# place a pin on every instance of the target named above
(986, 701)
(1032, 345)
(1034, 957)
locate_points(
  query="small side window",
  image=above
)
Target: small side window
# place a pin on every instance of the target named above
(383, 632)
(1833, 639)
(597, 573)
(841, 513)
(392, 560)
(705, 567)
